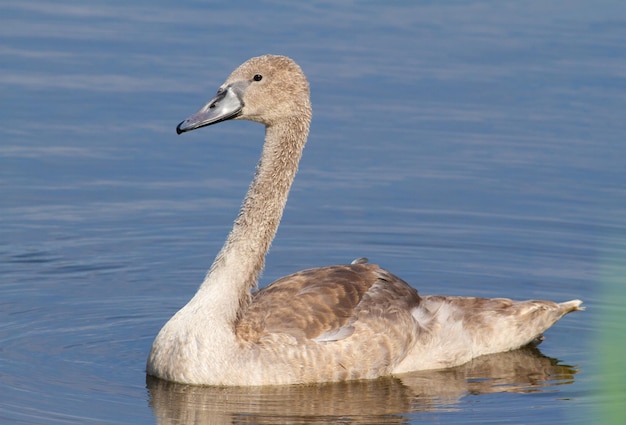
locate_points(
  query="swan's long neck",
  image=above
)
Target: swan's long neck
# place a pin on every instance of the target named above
(238, 265)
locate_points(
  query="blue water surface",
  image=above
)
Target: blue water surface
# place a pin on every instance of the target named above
(470, 147)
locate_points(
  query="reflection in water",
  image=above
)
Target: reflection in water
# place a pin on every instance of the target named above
(381, 401)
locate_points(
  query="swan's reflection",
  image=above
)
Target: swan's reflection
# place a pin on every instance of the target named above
(385, 400)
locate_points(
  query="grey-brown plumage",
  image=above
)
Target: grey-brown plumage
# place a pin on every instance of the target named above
(353, 321)
(323, 304)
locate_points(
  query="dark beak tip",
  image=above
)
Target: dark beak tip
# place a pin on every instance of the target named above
(178, 129)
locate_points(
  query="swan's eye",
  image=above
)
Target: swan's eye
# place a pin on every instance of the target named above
(257, 77)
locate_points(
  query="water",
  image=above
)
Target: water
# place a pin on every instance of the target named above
(472, 148)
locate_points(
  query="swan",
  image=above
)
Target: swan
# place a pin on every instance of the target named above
(328, 324)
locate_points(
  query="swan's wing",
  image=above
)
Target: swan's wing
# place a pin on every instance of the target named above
(324, 304)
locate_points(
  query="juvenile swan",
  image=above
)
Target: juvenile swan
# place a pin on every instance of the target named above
(353, 321)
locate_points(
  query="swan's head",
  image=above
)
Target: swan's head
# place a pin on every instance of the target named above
(266, 89)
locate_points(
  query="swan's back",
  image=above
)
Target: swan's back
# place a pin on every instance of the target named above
(324, 304)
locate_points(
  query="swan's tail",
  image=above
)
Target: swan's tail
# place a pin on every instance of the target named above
(453, 330)
(563, 309)
(569, 306)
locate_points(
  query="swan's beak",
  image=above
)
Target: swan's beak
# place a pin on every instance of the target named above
(224, 106)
